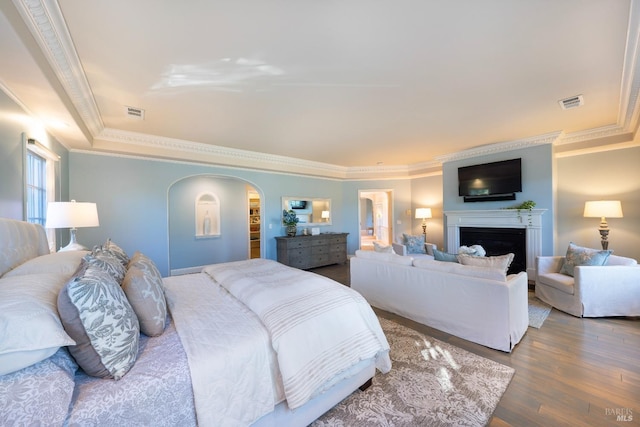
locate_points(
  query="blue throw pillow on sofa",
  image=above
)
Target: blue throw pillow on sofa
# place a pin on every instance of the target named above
(444, 256)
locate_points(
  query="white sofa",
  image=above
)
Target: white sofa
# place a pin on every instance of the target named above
(594, 291)
(478, 304)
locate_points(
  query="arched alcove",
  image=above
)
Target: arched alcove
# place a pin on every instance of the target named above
(208, 219)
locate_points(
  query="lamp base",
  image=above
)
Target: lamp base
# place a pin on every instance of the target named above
(73, 243)
(604, 234)
(73, 247)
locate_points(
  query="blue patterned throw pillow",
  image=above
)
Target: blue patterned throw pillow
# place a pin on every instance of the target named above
(414, 244)
(577, 255)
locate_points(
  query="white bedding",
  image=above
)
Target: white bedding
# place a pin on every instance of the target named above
(318, 328)
(233, 371)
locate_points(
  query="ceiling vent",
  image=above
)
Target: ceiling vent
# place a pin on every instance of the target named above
(134, 113)
(573, 102)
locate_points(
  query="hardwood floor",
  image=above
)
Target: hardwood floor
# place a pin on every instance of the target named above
(570, 372)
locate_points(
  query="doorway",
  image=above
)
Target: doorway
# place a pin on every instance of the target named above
(375, 218)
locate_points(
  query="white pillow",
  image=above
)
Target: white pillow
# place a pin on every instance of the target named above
(377, 247)
(30, 329)
(66, 262)
(501, 261)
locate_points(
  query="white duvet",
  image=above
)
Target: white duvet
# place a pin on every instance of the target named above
(318, 328)
(256, 332)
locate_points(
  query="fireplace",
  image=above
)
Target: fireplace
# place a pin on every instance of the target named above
(529, 223)
(499, 241)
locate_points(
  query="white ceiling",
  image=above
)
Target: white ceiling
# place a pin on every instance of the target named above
(328, 87)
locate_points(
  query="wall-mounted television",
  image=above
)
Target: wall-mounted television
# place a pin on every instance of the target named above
(490, 181)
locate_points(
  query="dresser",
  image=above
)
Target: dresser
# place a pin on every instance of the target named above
(312, 251)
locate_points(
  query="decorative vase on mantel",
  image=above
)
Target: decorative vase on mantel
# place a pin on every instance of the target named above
(291, 230)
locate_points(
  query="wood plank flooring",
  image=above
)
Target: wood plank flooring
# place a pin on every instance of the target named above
(570, 372)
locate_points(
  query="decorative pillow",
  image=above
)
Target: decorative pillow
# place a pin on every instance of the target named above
(501, 262)
(475, 250)
(107, 261)
(143, 286)
(30, 329)
(414, 244)
(117, 251)
(443, 256)
(577, 255)
(383, 248)
(96, 314)
(66, 262)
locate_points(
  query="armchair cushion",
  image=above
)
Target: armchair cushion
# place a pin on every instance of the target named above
(578, 255)
(558, 281)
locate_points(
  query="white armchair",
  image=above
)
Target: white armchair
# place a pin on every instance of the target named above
(594, 291)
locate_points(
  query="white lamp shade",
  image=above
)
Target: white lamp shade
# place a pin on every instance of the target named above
(423, 213)
(71, 215)
(603, 208)
(325, 214)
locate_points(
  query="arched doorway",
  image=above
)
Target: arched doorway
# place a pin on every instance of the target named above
(375, 217)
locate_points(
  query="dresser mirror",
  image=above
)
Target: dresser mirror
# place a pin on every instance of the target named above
(310, 211)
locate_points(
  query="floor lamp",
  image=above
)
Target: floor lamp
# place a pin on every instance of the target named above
(423, 214)
(602, 209)
(72, 215)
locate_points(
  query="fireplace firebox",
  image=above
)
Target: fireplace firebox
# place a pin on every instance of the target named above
(499, 241)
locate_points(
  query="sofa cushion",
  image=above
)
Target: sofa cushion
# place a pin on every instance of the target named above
(443, 256)
(501, 261)
(386, 257)
(558, 281)
(414, 244)
(578, 255)
(387, 249)
(464, 270)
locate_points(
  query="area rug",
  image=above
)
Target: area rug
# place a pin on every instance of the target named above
(431, 383)
(538, 311)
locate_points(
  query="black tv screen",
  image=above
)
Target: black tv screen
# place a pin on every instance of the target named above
(489, 179)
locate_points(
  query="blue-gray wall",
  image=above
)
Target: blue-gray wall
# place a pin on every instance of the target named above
(132, 195)
(14, 122)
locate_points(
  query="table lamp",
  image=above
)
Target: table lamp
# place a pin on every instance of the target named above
(602, 209)
(72, 215)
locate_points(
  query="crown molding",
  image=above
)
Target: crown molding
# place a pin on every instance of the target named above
(214, 154)
(548, 138)
(46, 23)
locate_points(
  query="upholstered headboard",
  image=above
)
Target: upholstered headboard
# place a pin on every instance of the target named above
(19, 242)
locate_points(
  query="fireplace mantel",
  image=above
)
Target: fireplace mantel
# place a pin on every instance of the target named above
(499, 218)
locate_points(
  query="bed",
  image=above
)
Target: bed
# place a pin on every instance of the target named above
(99, 338)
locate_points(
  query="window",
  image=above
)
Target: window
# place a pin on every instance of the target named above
(36, 188)
(40, 185)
